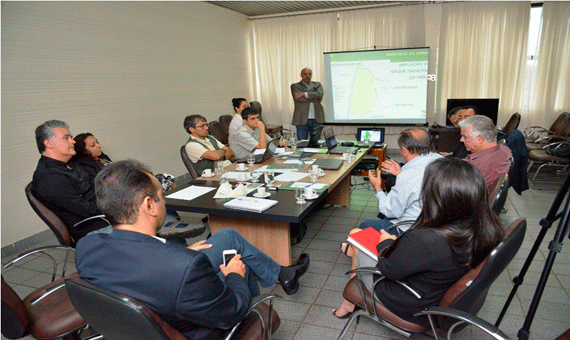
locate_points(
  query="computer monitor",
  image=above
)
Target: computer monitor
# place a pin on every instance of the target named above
(375, 135)
(486, 106)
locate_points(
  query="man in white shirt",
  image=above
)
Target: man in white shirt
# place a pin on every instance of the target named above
(402, 203)
(203, 149)
(309, 113)
(250, 136)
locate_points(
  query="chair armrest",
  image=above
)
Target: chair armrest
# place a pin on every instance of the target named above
(256, 301)
(374, 270)
(88, 219)
(464, 317)
(47, 293)
(549, 138)
(43, 250)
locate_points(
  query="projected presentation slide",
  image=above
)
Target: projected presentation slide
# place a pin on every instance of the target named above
(376, 87)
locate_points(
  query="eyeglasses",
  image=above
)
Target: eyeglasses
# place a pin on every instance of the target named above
(203, 126)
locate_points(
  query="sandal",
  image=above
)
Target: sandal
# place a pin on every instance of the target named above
(345, 251)
(346, 316)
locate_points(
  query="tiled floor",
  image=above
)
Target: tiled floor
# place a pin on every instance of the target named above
(307, 314)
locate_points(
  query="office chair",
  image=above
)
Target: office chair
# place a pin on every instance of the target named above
(225, 121)
(215, 129)
(537, 137)
(187, 163)
(512, 124)
(46, 313)
(117, 316)
(461, 302)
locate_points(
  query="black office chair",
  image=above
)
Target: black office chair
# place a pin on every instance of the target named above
(465, 297)
(215, 129)
(120, 317)
(187, 163)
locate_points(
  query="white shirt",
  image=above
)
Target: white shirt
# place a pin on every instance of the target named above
(235, 124)
(311, 104)
(403, 201)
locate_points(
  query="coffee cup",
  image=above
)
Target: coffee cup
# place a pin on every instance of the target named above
(315, 169)
(242, 177)
(309, 192)
(241, 166)
(261, 191)
(207, 173)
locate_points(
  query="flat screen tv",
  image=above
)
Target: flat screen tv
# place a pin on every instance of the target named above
(387, 87)
(487, 106)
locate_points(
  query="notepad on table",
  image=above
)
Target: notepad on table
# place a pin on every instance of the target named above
(250, 204)
(366, 240)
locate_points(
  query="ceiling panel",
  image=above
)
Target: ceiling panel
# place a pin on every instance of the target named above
(254, 9)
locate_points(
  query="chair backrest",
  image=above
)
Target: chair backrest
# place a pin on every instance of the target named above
(500, 194)
(116, 316)
(50, 218)
(187, 163)
(560, 123)
(469, 293)
(513, 123)
(15, 318)
(225, 121)
(215, 129)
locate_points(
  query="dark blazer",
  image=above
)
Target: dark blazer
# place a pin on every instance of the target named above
(315, 93)
(177, 283)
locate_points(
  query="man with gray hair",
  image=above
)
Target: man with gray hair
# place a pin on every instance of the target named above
(63, 188)
(479, 135)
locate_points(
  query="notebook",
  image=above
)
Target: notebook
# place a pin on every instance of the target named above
(366, 240)
(375, 135)
(332, 144)
(250, 204)
(313, 140)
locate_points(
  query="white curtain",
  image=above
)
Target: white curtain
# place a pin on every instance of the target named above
(281, 47)
(482, 53)
(551, 94)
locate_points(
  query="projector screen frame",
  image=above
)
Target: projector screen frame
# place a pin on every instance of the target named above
(328, 88)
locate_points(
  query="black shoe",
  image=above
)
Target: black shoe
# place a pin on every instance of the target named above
(292, 286)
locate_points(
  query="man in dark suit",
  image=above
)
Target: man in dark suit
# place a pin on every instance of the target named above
(190, 288)
(309, 113)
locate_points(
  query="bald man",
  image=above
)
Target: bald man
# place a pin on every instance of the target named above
(309, 113)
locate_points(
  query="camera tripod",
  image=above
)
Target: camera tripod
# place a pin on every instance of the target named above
(555, 246)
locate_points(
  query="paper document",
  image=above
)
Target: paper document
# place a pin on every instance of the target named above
(313, 150)
(190, 193)
(291, 176)
(315, 186)
(235, 175)
(259, 151)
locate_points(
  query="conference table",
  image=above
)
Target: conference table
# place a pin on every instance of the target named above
(269, 231)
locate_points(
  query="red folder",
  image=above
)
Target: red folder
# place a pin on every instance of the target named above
(366, 240)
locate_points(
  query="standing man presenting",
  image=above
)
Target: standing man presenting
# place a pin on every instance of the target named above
(309, 113)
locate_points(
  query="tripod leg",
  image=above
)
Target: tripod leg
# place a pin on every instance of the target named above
(546, 223)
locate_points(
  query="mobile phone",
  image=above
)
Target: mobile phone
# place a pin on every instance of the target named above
(228, 255)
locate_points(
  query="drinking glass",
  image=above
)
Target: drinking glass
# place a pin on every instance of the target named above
(313, 176)
(300, 195)
(293, 141)
(222, 175)
(218, 166)
(251, 159)
(269, 179)
(255, 174)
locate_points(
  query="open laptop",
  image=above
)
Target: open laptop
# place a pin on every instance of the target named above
(374, 135)
(270, 151)
(332, 144)
(313, 139)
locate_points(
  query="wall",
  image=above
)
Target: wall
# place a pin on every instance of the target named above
(128, 72)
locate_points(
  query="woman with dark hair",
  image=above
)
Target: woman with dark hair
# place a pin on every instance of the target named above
(455, 231)
(88, 154)
(239, 104)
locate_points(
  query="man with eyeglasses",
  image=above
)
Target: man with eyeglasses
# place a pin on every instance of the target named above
(203, 149)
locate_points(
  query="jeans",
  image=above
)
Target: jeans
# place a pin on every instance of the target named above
(303, 131)
(260, 268)
(381, 224)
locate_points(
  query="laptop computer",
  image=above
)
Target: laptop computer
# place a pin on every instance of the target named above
(313, 139)
(332, 144)
(328, 163)
(270, 151)
(374, 135)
